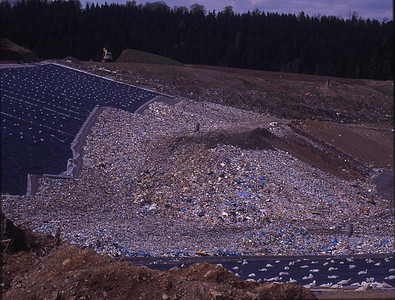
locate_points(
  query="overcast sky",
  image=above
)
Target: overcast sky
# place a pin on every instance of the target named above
(373, 9)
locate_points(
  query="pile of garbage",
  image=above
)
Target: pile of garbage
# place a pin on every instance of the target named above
(198, 178)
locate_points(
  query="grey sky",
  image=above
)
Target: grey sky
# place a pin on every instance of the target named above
(373, 9)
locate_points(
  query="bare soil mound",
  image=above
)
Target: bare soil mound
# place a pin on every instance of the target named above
(318, 153)
(69, 272)
(136, 56)
(12, 51)
(16, 238)
(258, 138)
(70, 59)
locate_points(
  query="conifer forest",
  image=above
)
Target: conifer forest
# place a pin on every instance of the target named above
(319, 45)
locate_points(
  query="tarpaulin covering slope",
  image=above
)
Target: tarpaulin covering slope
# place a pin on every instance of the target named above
(43, 107)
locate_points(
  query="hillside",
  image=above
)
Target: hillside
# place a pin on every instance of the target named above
(286, 95)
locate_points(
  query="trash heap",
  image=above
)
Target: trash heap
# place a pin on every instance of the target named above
(180, 181)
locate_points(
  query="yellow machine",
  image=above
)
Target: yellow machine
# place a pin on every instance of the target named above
(107, 56)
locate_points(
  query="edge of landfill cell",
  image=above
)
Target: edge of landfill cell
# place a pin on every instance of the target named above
(74, 164)
(164, 99)
(144, 261)
(110, 79)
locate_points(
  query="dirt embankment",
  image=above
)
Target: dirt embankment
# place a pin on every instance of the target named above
(69, 272)
(335, 121)
(284, 95)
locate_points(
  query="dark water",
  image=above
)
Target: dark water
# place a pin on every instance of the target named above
(305, 270)
(42, 109)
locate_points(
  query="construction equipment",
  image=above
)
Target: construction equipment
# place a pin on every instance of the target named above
(107, 56)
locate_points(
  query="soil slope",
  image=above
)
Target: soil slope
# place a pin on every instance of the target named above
(291, 96)
(353, 116)
(68, 272)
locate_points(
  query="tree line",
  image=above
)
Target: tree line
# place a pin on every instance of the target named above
(318, 45)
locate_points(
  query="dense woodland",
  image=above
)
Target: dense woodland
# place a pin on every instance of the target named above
(320, 45)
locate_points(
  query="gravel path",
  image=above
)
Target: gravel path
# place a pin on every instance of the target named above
(151, 186)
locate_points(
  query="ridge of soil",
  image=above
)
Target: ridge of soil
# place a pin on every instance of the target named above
(284, 95)
(69, 272)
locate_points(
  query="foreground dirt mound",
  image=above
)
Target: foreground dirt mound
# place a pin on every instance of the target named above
(72, 273)
(16, 238)
(69, 272)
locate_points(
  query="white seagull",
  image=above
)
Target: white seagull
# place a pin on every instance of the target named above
(314, 271)
(344, 281)
(308, 277)
(283, 273)
(310, 285)
(363, 272)
(274, 278)
(326, 285)
(349, 259)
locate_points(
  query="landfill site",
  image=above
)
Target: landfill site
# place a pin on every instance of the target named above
(202, 177)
